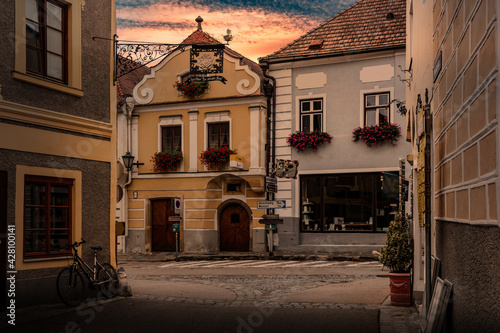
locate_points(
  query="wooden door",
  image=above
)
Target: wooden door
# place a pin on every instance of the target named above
(163, 237)
(234, 229)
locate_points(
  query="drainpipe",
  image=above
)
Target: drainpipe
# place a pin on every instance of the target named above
(128, 109)
(270, 92)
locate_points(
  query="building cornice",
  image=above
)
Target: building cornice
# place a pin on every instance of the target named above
(41, 117)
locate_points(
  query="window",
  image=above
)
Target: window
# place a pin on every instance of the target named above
(311, 115)
(218, 135)
(376, 109)
(171, 138)
(46, 35)
(47, 216)
(348, 202)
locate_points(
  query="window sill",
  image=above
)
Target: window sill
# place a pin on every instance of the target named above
(48, 259)
(47, 84)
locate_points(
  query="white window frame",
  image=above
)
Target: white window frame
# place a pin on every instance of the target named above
(298, 108)
(376, 90)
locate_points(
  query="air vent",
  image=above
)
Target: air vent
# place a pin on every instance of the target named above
(316, 44)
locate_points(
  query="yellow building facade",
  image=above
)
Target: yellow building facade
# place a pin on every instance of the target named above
(216, 209)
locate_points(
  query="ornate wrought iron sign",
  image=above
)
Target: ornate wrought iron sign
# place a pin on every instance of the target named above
(129, 57)
(207, 59)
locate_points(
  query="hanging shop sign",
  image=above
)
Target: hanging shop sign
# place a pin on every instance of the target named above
(207, 59)
(286, 168)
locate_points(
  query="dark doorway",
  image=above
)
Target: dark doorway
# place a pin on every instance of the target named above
(234, 229)
(3, 239)
(163, 237)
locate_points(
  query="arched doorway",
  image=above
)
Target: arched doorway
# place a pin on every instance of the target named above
(234, 222)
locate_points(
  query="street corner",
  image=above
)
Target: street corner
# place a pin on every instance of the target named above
(371, 291)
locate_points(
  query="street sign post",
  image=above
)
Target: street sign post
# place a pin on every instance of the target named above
(271, 185)
(271, 204)
(175, 218)
(270, 226)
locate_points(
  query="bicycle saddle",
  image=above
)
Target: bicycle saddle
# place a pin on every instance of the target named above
(96, 248)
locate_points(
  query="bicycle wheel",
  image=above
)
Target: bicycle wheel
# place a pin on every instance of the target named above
(71, 286)
(107, 279)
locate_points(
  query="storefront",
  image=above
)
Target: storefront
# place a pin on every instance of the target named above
(342, 203)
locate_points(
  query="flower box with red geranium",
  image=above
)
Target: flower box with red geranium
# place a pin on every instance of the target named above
(166, 161)
(308, 140)
(216, 159)
(377, 135)
(191, 89)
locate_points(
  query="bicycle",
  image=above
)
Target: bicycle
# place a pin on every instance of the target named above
(70, 283)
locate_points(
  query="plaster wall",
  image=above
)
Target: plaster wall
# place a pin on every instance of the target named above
(96, 177)
(95, 65)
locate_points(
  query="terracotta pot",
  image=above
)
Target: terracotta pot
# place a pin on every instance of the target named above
(400, 284)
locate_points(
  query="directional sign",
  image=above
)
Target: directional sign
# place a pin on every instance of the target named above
(271, 204)
(174, 218)
(271, 185)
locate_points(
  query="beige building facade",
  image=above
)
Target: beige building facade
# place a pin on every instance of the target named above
(460, 76)
(57, 140)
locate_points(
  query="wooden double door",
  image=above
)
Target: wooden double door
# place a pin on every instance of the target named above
(163, 237)
(234, 229)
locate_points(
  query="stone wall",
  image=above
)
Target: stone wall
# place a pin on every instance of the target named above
(464, 107)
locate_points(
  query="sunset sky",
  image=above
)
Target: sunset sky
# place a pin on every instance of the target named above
(259, 27)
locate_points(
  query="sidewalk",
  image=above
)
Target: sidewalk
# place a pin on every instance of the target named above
(277, 255)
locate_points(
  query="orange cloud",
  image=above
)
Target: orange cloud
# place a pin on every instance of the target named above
(256, 33)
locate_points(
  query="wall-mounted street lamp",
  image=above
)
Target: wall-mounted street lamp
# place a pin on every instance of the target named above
(128, 161)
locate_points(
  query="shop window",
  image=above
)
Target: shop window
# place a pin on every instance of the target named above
(171, 138)
(376, 108)
(47, 216)
(218, 135)
(348, 202)
(46, 36)
(311, 115)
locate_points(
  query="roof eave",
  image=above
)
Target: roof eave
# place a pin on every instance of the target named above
(277, 60)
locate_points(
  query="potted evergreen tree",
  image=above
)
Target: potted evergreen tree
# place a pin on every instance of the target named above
(397, 255)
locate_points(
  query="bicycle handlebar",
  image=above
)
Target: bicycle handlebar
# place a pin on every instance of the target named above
(75, 244)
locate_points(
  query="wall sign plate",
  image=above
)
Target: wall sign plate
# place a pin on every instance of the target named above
(207, 59)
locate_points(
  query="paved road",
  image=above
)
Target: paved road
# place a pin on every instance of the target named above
(243, 296)
(154, 315)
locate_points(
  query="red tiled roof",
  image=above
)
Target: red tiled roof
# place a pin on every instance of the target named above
(125, 84)
(360, 28)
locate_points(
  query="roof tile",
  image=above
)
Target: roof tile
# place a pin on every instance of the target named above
(362, 27)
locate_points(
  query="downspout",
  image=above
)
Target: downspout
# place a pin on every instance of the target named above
(270, 92)
(128, 109)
